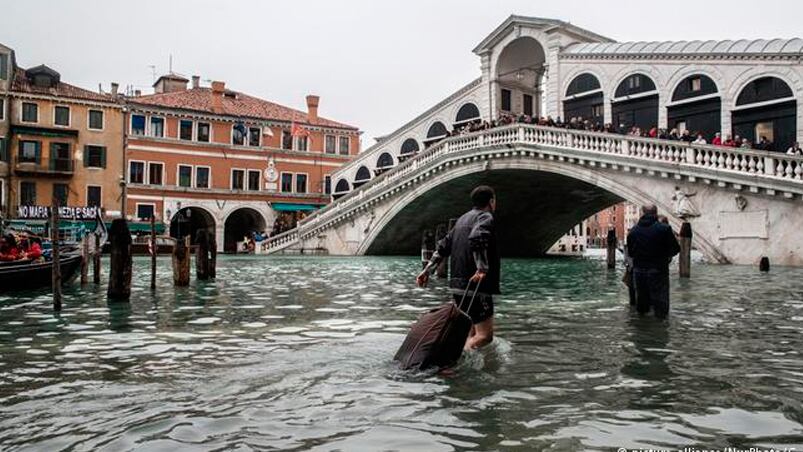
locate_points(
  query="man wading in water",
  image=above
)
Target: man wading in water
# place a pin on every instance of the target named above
(473, 259)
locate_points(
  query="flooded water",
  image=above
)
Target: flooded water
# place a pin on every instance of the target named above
(295, 354)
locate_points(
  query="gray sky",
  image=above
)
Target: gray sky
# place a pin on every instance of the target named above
(375, 64)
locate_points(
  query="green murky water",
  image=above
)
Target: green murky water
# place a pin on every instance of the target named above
(294, 354)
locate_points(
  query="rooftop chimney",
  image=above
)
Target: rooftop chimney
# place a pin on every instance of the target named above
(196, 81)
(312, 107)
(115, 87)
(137, 92)
(217, 96)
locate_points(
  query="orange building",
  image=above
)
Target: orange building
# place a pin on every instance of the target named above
(62, 142)
(597, 225)
(213, 158)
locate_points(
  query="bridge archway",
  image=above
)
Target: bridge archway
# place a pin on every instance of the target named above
(384, 163)
(766, 106)
(585, 99)
(520, 73)
(408, 148)
(363, 175)
(468, 112)
(189, 220)
(696, 106)
(341, 188)
(437, 131)
(635, 102)
(238, 224)
(528, 193)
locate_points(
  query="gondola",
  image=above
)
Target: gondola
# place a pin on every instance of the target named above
(20, 275)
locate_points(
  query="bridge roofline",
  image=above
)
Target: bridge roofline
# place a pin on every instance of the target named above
(541, 22)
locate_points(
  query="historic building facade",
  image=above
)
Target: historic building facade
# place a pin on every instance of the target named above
(60, 141)
(214, 158)
(6, 72)
(545, 67)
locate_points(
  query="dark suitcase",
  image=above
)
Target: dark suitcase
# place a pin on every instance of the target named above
(437, 338)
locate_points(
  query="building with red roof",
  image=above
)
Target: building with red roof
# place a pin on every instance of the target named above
(208, 157)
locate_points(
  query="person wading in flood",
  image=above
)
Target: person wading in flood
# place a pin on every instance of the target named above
(652, 244)
(473, 259)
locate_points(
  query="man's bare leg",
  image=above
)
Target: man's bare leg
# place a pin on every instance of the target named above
(481, 334)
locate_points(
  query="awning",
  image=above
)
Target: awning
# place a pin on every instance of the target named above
(44, 131)
(294, 207)
(143, 226)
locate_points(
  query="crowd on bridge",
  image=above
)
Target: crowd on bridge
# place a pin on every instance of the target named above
(579, 123)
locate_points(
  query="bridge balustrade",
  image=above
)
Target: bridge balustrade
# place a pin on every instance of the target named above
(735, 160)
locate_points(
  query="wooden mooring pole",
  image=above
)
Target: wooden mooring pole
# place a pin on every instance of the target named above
(154, 251)
(202, 255)
(212, 256)
(181, 262)
(56, 260)
(85, 260)
(684, 260)
(120, 261)
(611, 241)
(96, 260)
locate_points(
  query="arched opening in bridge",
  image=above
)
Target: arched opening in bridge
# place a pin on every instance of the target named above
(189, 220)
(383, 163)
(635, 103)
(766, 107)
(520, 76)
(696, 107)
(466, 114)
(584, 99)
(535, 209)
(437, 131)
(363, 175)
(341, 188)
(408, 148)
(239, 224)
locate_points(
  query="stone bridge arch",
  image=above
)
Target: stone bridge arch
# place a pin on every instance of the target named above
(553, 197)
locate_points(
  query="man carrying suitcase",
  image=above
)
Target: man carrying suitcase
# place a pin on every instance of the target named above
(473, 259)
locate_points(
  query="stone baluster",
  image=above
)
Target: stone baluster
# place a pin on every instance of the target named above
(769, 166)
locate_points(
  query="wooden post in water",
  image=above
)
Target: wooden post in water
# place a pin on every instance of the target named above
(181, 262)
(611, 241)
(85, 260)
(440, 233)
(56, 261)
(212, 256)
(427, 247)
(684, 260)
(120, 261)
(96, 260)
(202, 255)
(154, 251)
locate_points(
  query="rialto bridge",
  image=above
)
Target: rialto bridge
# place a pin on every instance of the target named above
(549, 179)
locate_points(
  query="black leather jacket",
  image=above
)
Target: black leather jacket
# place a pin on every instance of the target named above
(470, 245)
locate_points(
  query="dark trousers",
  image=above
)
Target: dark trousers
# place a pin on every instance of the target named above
(652, 291)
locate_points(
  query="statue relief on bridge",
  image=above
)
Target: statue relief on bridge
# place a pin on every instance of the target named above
(684, 208)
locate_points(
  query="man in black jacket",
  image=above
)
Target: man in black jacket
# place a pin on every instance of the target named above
(474, 259)
(652, 244)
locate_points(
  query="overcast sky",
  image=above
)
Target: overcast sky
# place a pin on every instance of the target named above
(375, 64)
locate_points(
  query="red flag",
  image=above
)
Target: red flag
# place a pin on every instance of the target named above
(298, 131)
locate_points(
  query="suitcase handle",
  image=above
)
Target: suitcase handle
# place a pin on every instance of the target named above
(471, 303)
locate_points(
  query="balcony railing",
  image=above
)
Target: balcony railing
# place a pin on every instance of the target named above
(44, 166)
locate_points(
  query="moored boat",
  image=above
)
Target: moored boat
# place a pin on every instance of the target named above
(26, 274)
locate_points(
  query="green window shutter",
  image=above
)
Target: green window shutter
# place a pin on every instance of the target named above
(103, 157)
(38, 151)
(86, 156)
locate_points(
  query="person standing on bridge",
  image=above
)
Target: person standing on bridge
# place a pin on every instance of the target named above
(652, 244)
(473, 259)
